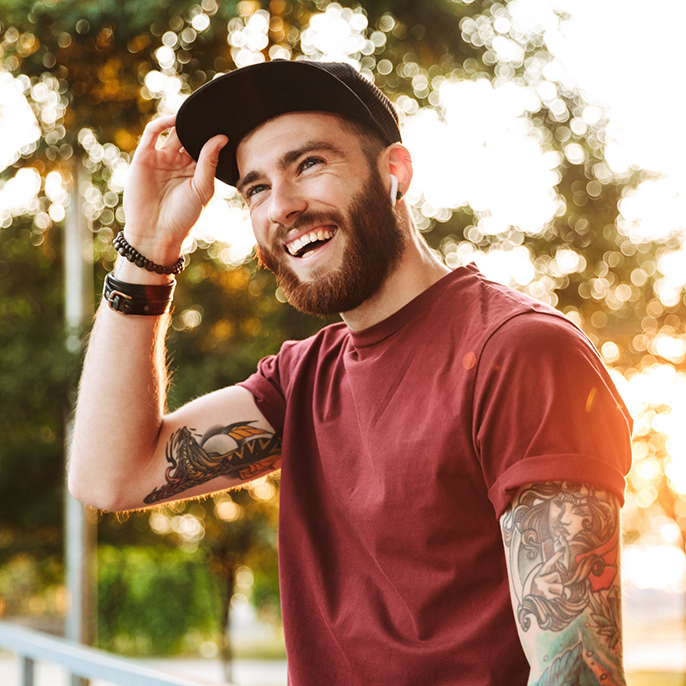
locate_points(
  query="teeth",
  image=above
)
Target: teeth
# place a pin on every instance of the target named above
(307, 238)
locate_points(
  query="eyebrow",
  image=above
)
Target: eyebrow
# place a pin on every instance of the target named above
(288, 159)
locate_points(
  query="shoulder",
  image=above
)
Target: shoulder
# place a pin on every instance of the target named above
(535, 332)
(481, 307)
(539, 351)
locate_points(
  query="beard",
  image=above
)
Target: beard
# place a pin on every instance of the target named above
(375, 242)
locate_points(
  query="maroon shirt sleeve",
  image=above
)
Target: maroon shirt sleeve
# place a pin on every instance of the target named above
(545, 409)
(265, 386)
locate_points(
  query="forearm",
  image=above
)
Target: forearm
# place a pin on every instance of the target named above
(121, 400)
(589, 647)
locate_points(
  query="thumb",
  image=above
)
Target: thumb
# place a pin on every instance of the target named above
(203, 178)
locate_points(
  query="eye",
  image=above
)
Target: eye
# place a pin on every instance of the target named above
(254, 190)
(310, 162)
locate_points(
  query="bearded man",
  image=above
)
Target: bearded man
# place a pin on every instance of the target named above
(404, 433)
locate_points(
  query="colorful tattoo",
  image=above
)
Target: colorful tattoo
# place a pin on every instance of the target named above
(562, 543)
(577, 666)
(197, 460)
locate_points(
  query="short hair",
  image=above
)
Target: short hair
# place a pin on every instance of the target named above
(371, 140)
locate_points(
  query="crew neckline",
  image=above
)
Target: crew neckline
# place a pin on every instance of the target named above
(387, 327)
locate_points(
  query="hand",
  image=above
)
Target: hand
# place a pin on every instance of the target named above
(166, 191)
(548, 582)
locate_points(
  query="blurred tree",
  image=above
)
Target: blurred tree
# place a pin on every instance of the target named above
(95, 73)
(154, 600)
(35, 370)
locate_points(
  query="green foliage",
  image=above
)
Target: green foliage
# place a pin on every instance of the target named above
(35, 371)
(130, 17)
(157, 600)
(31, 585)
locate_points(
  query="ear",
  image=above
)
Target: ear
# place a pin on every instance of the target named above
(396, 161)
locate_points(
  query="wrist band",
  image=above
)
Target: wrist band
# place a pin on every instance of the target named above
(134, 298)
(125, 249)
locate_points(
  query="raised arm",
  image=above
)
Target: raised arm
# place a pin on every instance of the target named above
(126, 452)
(562, 543)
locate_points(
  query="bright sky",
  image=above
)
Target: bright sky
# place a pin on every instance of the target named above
(630, 56)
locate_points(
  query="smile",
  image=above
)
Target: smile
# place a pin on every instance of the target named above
(309, 241)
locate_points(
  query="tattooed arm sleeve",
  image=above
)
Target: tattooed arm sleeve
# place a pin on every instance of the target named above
(562, 544)
(195, 459)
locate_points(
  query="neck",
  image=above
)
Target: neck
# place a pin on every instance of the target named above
(418, 269)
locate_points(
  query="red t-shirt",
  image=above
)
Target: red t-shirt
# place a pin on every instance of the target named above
(402, 446)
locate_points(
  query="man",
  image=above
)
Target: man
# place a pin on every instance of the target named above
(441, 405)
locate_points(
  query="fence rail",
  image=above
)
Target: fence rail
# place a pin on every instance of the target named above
(82, 661)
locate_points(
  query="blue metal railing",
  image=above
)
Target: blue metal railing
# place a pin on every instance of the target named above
(82, 661)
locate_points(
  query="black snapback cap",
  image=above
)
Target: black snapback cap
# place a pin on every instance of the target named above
(236, 103)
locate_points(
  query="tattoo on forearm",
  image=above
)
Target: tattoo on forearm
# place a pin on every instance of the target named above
(195, 459)
(562, 541)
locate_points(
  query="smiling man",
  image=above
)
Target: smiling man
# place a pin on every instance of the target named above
(344, 243)
(452, 452)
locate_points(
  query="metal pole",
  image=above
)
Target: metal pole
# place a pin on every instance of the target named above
(27, 671)
(80, 524)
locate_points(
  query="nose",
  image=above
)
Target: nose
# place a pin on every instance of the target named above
(286, 202)
(566, 514)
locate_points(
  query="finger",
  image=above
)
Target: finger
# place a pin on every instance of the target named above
(153, 130)
(551, 562)
(172, 141)
(203, 179)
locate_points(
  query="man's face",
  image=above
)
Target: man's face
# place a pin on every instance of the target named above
(322, 217)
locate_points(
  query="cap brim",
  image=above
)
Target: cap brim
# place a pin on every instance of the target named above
(235, 103)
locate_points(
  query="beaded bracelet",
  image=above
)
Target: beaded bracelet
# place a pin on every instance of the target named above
(125, 249)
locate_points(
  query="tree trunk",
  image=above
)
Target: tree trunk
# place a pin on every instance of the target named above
(226, 653)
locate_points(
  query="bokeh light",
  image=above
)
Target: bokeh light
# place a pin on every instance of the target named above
(18, 125)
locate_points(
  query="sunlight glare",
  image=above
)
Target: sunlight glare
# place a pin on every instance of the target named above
(509, 267)
(225, 221)
(655, 210)
(18, 124)
(661, 566)
(673, 266)
(484, 156)
(18, 195)
(336, 34)
(637, 90)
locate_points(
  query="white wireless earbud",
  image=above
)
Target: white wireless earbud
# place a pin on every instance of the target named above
(394, 189)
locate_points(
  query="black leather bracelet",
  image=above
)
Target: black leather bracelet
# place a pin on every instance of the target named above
(125, 249)
(134, 298)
